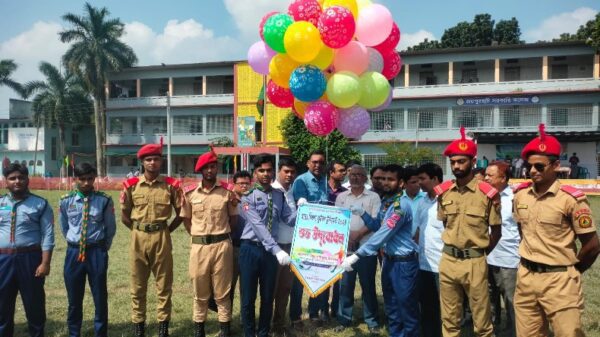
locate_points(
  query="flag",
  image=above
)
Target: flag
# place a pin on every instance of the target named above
(235, 164)
(67, 161)
(260, 102)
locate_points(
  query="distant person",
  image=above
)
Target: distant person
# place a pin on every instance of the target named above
(131, 173)
(485, 162)
(479, 173)
(574, 162)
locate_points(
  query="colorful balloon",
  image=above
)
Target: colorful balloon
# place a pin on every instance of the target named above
(353, 122)
(374, 24)
(387, 102)
(299, 108)
(343, 89)
(261, 25)
(259, 57)
(305, 10)
(362, 4)
(320, 118)
(323, 59)
(280, 97)
(375, 89)
(337, 26)
(281, 68)
(302, 41)
(390, 43)
(375, 60)
(274, 31)
(307, 83)
(392, 64)
(349, 4)
(353, 57)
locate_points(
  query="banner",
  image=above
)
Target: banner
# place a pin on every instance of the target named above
(246, 131)
(319, 245)
(498, 100)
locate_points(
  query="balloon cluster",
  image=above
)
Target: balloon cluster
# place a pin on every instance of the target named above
(330, 61)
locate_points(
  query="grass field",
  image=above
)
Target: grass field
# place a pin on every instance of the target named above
(181, 325)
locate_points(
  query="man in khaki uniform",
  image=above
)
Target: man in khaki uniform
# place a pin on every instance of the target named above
(209, 212)
(468, 208)
(551, 216)
(147, 204)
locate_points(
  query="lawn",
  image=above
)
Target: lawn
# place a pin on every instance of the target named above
(181, 325)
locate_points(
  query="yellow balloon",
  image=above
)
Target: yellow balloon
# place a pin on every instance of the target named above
(324, 58)
(300, 107)
(302, 41)
(362, 4)
(281, 68)
(349, 4)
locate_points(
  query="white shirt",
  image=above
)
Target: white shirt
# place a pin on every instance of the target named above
(506, 252)
(368, 200)
(414, 202)
(347, 185)
(430, 234)
(285, 233)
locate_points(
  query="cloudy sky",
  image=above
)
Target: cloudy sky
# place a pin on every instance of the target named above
(179, 31)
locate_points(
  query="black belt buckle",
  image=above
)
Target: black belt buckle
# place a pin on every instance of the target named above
(460, 254)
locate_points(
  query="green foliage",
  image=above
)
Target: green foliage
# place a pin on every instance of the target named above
(590, 33)
(507, 32)
(301, 142)
(405, 153)
(7, 68)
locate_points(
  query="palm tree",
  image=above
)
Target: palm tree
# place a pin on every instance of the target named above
(7, 68)
(60, 100)
(95, 51)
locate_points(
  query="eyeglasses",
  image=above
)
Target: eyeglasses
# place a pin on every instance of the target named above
(538, 166)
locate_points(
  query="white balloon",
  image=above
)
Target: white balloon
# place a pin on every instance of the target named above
(375, 60)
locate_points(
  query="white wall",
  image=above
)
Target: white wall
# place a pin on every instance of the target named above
(586, 153)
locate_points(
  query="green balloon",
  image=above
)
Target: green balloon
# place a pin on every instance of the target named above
(343, 89)
(374, 88)
(274, 31)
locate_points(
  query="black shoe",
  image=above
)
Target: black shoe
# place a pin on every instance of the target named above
(374, 330)
(339, 328)
(225, 329)
(199, 329)
(316, 322)
(324, 316)
(163, 329)
(298, 327)
(139, 329)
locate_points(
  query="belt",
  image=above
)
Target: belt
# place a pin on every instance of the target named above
(541, 268)
(285, 246)
(150, 227)
(209, 239)
(101, 243)
(401, 258)
(28, 249)
(252, 242)
(468, 253)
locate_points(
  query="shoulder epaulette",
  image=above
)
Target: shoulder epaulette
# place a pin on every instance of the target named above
(443, 187)
(572, 191)
(102, 194)
(487, 189)
(522, 186)
(131, 182)
(189, 188)
(173, 182)
(67, 195)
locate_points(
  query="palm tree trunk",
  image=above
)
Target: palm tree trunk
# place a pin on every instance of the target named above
(37, 136)
(61, 149)
(99, 137)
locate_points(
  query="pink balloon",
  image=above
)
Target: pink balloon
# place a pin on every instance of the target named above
(320, 118)
(280, 97)
(354, 122)
(261, 25)
(259, 57)
(353, 57)
(387, 102)
(337, 26)
(374, 24)
(305, 10)
(390, 43)
(392, 64)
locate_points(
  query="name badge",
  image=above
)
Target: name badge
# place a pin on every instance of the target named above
(195, 202)
(521, 206)
(445, 203)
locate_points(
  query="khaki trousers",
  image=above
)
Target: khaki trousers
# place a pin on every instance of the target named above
(283, 287)
(211, 272)
(459, 277)
(151, 252)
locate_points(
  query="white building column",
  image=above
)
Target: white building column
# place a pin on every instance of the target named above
(595, 110)
(496, 117)
(405, 119)
(545, 114)
(450, 117)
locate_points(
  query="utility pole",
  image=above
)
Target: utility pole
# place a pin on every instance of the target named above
(168, 133)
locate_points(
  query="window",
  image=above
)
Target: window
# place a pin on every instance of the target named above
(512, 74)
(115, 161)
(427, 78)
(570, 114)
(228, 85)
(122, 125)
(560, 71)
(216, 124)
(131, 161)
(473, 117)
(520, 115)
(74, 138)
(197, 85)
(387, 120)
(469, 76)
(427, 118)
(154, 125)
(187, 124)
(53, 148)
(31, 163)
(558, 116)
(3, 133)
(510, 117)
(39, 162)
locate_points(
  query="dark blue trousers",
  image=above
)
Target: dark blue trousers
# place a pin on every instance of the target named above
(320, 304)
(399, 280)
(429, 298)
(95, 270)
(365, 268)
(258, 268)
(296, 300)
(17, 274)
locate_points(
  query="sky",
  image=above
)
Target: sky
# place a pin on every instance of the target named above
(187, 31)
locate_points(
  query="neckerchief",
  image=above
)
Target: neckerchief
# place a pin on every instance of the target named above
(269, 204)
(13, 217)
(84, 225)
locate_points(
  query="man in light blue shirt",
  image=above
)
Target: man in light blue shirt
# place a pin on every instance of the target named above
(412, 192)
(26, 244)
(503, 261)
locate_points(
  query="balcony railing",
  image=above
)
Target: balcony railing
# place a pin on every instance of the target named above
(176, 101)
(126, 139)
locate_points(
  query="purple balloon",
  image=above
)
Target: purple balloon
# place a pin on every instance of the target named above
(387, 102)
(353, 122)
(259, 57)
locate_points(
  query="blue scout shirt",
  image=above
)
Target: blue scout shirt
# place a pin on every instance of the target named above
(255, 210)
(101, 223)
(33, 222)
(314, 190)
(395, 232)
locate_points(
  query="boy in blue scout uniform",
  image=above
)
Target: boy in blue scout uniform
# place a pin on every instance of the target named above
(26, 243)
(87, 222)
(400, 270)
(264, 208)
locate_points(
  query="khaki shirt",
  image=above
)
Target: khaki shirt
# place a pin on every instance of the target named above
(209, 209)
(549, 224)
(467, 214)
(151, 201)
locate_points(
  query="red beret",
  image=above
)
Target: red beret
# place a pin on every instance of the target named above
(206, 158)
(150, 150)
(544, 144)
(461, 147)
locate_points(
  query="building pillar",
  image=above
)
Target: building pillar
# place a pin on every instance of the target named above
(139, 128)
(597, 66)
(545, 114)
(545, 68)
(203, 85)
(406, 75)
(450, 72)
(595, 110)
(106, 90)
(496, 117)
(497, 70)
(204, 125)
(138, 88)
(450, 117)
(171, 86)
(405, 118)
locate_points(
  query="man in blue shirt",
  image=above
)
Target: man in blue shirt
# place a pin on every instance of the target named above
(400, 270)
(264, 209)
(87, 222)
(412, 192)
(26, 243)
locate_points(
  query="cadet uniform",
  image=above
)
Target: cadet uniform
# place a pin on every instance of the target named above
(211, 254)
(151, 204)
(88, 224)
(548, 284)
(467, 213)
(26, 229)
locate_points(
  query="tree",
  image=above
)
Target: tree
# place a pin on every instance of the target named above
(507, 32)
(7, 68)
(301, 142)
(426, 45)
(589, 33)
(95, 51)
(60, 100)
(405, 153)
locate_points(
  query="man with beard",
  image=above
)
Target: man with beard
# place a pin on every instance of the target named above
(468, 209)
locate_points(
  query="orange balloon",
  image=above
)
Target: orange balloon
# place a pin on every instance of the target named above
(281, 68)
(299, 108)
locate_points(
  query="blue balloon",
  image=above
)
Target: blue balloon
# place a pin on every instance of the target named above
(308, 83)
